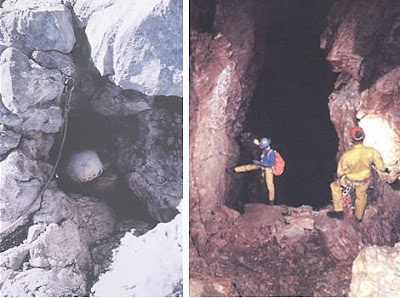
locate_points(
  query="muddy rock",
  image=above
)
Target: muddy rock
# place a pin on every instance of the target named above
(367, 88)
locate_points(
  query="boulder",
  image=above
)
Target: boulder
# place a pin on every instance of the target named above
(36, 25)
(111, 100)
(54, 60)
(376, 272)
(8, 140)
(23, 83)
(153, 166)
(20, 183)
(138, 46)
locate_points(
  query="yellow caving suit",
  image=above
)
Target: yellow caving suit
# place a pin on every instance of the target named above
(268, 176)
(354, 170)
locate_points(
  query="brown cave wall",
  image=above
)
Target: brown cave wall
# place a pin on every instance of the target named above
(223, 65)
(363, 41)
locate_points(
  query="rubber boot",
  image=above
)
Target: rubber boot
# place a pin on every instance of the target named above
(335, 214)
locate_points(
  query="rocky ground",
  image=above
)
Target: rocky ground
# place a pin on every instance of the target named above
(283, 251)
(125, 105)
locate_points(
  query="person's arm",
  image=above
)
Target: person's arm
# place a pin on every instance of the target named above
(341, 169)
(378, 161)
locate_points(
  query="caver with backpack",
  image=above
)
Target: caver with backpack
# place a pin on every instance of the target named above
(271, 163)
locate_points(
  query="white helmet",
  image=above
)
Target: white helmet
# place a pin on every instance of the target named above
(84, 166)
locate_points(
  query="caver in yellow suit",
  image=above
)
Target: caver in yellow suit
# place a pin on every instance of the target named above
(265, 164)
(354, 170)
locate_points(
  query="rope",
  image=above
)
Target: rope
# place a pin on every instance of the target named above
(68, 88)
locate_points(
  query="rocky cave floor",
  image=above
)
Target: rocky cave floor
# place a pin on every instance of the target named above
(278, 251)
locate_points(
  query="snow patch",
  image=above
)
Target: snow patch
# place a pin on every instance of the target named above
(147, 265)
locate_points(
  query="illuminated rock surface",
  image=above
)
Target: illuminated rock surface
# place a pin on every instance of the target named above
(280, 250)
(376, 272)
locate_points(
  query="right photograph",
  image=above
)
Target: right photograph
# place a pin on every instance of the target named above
(294, 148)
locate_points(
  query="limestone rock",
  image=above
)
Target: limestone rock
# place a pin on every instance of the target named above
(81, 210)
(20, 182)
(213, 287)
(8, 140)
(47, 120)
(44, 282)
(85, 8)
(23, 83)
(376, 272)
(157, 178)
(111, 100)
(54, 60)
(36, 25)
(8, 118)
(138, 46)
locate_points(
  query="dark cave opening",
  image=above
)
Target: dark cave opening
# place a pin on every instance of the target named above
(290, 106)
(88, 130)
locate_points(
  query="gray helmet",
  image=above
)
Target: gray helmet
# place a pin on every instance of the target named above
(264, 142)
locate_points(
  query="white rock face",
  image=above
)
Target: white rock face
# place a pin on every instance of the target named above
(20, 182)
(84, 166)
(148, 265)
(138, 44)
(376, 272)
(36, 25)
(23, 83)
(8, 140)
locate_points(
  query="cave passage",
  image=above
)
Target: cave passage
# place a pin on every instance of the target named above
(88, 130)
(290, 105)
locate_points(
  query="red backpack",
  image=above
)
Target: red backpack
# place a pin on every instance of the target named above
(279, 165)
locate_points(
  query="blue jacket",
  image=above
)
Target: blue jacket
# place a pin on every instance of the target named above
(268, 158)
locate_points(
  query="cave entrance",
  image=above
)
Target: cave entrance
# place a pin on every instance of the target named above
(290, 104)
(88, 130)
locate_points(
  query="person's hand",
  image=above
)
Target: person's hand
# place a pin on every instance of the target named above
(256, 142)
(389, 176)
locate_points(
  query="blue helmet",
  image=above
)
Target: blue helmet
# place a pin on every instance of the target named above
(264, 142)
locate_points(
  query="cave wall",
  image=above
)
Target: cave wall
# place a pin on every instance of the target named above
(363, 42)
(223, 64)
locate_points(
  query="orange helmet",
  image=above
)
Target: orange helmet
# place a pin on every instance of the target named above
(357, 134)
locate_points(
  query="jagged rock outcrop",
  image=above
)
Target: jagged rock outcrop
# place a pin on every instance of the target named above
(65, 240)
(367, 90)
(376, 272)
(222, 64)
(138, 46)
(36, 25)
(282, 251)
(55, 259)
(20, 183)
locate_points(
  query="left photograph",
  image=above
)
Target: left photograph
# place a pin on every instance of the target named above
(91, 126)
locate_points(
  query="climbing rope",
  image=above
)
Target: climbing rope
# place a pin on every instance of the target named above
(68, 88)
